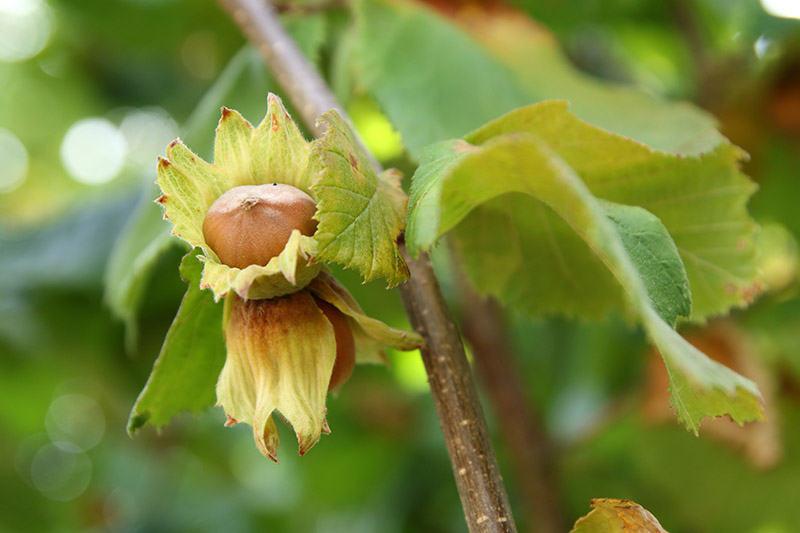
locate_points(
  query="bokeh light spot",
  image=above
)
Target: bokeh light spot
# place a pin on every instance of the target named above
(14, 157)
(761, 46)
(200, 55)
(93, 151)
(75, 421)
(147, 132)
(782, 8)
(25, 28)
(381, 138)
(60, 475)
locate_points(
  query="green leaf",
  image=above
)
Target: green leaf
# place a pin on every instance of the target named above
(193, 354)
(617, 516)
(701, 200)
(655, 257)
(433, 81)
(437, 78)
(519, 250)
(539, 65)
(426, 193)
(547, 169)
(360, 214)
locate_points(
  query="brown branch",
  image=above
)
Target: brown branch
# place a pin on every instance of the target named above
(477, 474)
(480, 485)
(532, 455)
(293, 8)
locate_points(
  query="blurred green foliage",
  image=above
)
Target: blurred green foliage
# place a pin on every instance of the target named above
(68, 382)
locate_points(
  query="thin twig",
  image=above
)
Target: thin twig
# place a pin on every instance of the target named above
(480, 486)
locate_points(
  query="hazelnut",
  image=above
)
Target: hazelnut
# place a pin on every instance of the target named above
(250, 224)
(345, 346)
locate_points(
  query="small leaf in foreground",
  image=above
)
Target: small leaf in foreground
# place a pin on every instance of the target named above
(617, 516)
(656, 259)
(186, 371)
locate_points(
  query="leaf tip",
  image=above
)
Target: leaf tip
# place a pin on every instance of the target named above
(136, 421)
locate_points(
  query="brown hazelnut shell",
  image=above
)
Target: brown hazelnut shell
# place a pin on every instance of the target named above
(250, 224)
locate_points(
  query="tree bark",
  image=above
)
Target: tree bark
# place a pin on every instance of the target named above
(532, 455)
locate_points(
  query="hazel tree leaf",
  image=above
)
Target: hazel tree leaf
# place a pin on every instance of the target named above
(700, 200)
(360, 214)
(539, 65)
(433, 81)
(437, 78)
(610, 515)
(541, 162)
(185, 374)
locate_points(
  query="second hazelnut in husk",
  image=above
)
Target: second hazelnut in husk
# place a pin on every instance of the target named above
(250, 224)
(345, 344)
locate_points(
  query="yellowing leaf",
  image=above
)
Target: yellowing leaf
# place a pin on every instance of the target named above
(617, 516)
(232, 148)
(278, 152)
(285, 273)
